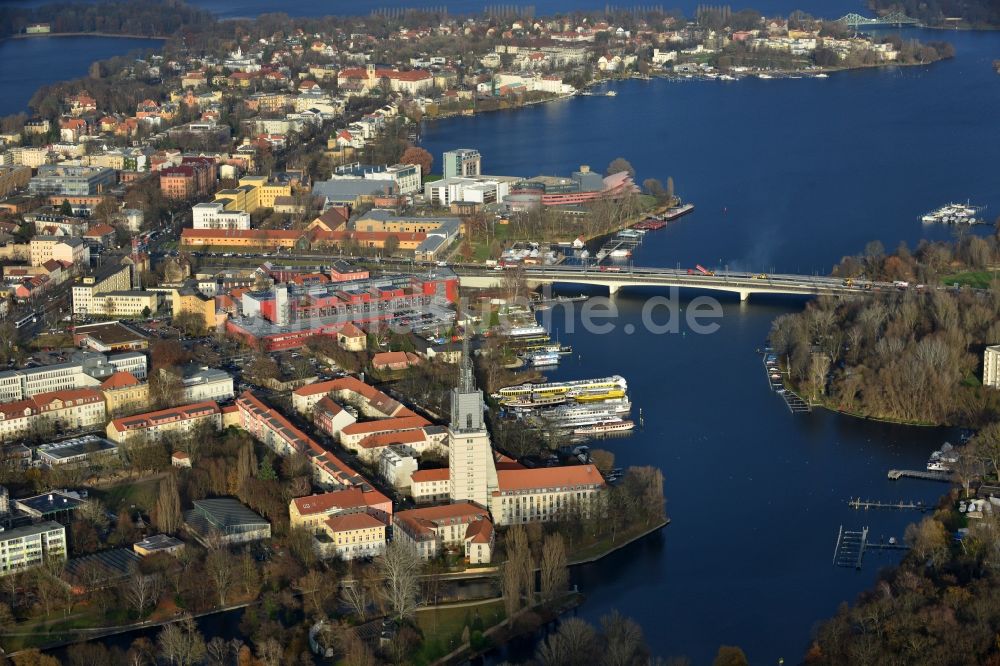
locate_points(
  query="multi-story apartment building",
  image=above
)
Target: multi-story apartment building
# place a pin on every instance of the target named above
(430, 485)
(30, 546)
(13, 178)
(213, 215)
(406, 177)
(991, 366)
(267, 191)
(67, 249)
(201, 383)
(89, 290)
(124, 394)
(464, 162)
(310, 512)
(85, 369)
(277, 433)
(431, 529)
(73, 409)
(71, 180)
(352, 535)
(194, 177)
(543, 494)
(126, 303)
(173, 421)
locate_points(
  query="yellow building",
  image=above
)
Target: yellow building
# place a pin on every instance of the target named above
(196, 303)
(124, 394)
(352, 535)
(266, 192)
(244, 198)
(126, 303)
(13, 178)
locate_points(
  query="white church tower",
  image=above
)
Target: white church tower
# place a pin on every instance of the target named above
(472, 472)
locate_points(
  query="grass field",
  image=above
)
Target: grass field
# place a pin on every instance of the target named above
(140, 493)
(443, 627)
(974, 279)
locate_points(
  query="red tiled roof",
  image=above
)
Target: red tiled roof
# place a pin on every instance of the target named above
(87, 395)
(543, 478)
(150, 419)
(346, 522)
(351, 498)
(423, 521)
(480, 531)
(389, 438)
(396, 424)
(120, 379)
(253, 234)
(349, 330)
(428, 475)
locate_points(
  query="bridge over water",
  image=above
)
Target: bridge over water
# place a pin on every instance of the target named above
(892, 19)
(615, 278)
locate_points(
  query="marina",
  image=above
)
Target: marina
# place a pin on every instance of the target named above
(578, 408)
(858, 503)
(955, 214)
(852, 545)
(896, 474)
(773, 373)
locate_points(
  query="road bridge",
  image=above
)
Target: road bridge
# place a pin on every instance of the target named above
(892, 19)
(615, 278)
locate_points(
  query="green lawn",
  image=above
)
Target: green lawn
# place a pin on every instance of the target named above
(974, 279)
(141, 493)
(443, 627)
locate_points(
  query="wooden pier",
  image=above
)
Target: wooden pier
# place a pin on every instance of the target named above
(851, 546)
(795, 404)
(901, 506)
(896, 474)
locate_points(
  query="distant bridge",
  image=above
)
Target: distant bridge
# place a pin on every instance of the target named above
(895, 18)
(614, 278)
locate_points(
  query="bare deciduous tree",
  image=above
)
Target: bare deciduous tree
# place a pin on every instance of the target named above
(399, 566)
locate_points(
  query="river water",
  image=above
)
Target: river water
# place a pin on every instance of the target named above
(787, 175)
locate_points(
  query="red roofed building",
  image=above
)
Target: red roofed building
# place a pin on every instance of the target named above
(277, 432)
(176, 420)
(352, 435)
(462, 526)
(194, 177)
(365, 79)
(45, 413)
(397, 360)
(544, 493)
(430, 485)
(349, 390)
(352, 535)
(124, 394)
(310, 512)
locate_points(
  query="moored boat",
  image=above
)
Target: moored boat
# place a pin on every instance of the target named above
(605, 427)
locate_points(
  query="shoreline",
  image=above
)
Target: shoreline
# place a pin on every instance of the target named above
(112, 35)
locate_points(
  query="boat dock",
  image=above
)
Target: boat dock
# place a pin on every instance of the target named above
(617, 247)
(852, 544)
(902, 506)
(896, 474)
(795, 404)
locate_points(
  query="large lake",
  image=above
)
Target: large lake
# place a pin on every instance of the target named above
(28, 64)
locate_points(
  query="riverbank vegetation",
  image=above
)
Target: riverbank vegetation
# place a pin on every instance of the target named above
(911, 355)
(150, 18)
(939, 606)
